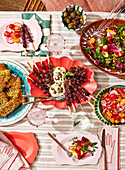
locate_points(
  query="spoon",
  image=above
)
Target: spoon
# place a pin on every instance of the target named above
(45, 98)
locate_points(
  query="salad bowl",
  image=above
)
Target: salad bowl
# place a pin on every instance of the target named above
(90, 58)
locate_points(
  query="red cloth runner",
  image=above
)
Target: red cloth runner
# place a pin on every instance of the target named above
(87, 5)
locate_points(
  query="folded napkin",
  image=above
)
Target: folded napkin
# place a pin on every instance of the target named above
(10, 158)
(44, 22)
(112, 148)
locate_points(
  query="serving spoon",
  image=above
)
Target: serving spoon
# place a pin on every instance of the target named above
(44, 98)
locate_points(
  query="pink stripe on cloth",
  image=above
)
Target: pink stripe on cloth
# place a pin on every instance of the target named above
(19, 162)
(112, 148)
(87, 5)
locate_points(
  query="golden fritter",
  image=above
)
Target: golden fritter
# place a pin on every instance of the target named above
(2, 86)
(14, 94)
(10, 107)
(2, 67)
(17, 85)
(5, 75)
(3, 98)
(14, 97)
(11, 81)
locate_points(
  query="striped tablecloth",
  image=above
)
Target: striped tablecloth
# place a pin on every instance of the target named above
(59, 120)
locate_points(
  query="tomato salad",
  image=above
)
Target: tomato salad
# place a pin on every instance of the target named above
(109, 50)
(13, 33)
(112, 105)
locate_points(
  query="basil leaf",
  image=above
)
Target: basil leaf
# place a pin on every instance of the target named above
(68, 74)
(93, 144)
(76, 123)
(48, 85)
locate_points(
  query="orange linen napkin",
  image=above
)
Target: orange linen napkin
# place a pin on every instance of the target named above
(10, 158)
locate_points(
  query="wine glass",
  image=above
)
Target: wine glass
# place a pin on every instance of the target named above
(36, 116)
(55, 43)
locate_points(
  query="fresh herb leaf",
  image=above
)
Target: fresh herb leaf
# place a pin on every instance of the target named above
(48, 85)
(68, 74)
(53, 68)
(93, 144)
(87, 49)
(76, 123)
(76, 144)
(98, 49)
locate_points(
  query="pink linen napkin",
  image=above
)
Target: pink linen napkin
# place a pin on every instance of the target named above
(112, 148)
(10, 158)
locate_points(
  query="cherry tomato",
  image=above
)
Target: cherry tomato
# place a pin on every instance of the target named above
(18, 24)
(113, 106)
(16, 35)
(16, 40)
(11, 26)
(10, 40)
(7, 34)
(112, 96)
(16, 27)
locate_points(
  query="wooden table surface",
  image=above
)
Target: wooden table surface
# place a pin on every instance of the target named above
(59, 120)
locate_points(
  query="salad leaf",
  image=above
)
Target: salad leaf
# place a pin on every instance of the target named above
(87, 49)
(93, 144)
(53, 68)
(76, 123)
(48, 85)
(68, 74)
(98, 50)
(104, 40)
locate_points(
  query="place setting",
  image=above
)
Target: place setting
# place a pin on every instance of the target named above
(51, 114)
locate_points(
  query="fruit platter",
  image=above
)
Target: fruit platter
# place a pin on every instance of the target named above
(56, 78)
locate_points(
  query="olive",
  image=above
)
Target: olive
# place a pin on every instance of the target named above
(78, 12)
(77, 17)
(75, 27)
(68, 21)
(65, 18)
(79, 25)
(71, 25)
(73, 15)
(69, 17)
(81, 17)
(75, 23)
(65, 14)
(81, 21)
(78, 22)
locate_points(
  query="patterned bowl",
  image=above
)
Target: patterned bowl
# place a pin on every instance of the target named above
(75, 7)
(97, 105)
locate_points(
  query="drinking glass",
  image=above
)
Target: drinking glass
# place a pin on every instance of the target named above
(36, 116)
(55, 43)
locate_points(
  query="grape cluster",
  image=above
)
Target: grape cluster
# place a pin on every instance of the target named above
(24, 37)
(27, 33)
(44, 77)
(79, 76)
(73, 89)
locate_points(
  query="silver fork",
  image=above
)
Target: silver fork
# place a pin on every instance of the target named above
(63, 147)
(98, 32)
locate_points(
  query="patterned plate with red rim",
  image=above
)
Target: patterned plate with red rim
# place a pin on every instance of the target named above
(90, 84)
